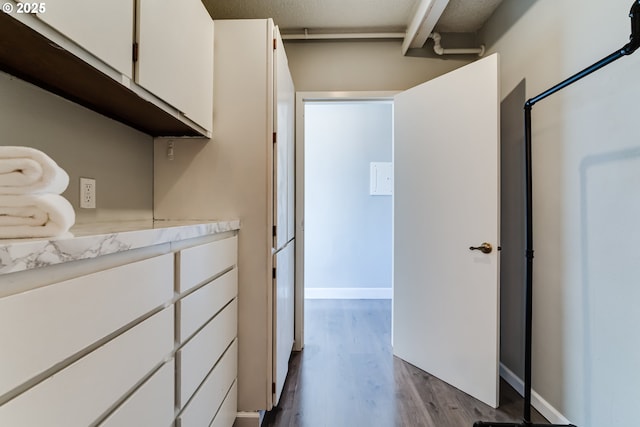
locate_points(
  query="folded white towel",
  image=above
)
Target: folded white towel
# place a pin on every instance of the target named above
(35, 215)
(25, 170)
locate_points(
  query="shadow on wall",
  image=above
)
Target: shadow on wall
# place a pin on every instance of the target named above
(610, 267)
(512, 230)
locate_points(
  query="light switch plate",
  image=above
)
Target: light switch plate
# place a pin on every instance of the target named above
(381, 179)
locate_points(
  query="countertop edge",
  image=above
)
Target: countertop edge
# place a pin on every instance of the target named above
(94, 240)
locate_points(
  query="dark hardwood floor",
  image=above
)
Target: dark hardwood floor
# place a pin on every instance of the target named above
(347, 376)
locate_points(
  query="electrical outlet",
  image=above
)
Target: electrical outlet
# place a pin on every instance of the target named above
(88, 193)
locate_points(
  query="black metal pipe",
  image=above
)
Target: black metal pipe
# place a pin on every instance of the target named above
(528, 324)
(595, 67)
(627, 49)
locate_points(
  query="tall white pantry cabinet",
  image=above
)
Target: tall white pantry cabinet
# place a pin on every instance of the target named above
(245, 171)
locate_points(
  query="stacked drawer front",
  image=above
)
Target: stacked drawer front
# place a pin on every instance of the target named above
(207, 312)
(150, 405)
(47, 328)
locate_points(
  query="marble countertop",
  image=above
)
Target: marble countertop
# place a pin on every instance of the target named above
(93, 240)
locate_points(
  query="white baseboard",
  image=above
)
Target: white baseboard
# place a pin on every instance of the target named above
(348, 293)
(545, 408)
(248, 419)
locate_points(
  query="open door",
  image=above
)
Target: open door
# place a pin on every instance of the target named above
(446, 200)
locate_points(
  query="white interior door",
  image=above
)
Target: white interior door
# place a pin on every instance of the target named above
(446, 199)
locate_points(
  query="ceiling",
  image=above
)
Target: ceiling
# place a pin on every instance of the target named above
(459, 16)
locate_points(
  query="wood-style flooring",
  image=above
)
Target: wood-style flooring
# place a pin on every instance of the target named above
(347, 376)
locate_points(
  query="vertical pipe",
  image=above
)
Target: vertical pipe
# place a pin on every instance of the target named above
(529, 267)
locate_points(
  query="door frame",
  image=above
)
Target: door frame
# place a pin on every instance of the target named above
(301, 98)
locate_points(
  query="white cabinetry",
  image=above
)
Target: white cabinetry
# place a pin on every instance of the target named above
(43, 326)
(176, 55)
(151, 405)
(170, 67)
(104, 28)
(123, 346)
(79, 394)
(67, 338)
(206, 360)
(245, 172)
(284, 261)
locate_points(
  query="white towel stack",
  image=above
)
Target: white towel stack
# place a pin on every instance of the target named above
(30, 201)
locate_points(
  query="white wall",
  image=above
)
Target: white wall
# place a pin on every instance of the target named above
(347, 231)
(84, 144)
(586, 203)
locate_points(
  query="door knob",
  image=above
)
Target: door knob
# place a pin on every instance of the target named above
(485, 248)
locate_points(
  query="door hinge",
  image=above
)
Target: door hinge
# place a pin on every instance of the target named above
(273, 388)
(275, 137)
(274, 273)
(275, 229)
(275, 44)
(134, 52)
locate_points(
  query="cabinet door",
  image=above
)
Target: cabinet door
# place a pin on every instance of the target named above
(175, 59)
(283, 316)
(283, 157)
(104, 28)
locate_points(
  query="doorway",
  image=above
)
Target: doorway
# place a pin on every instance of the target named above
(348, 219)
(345, 250)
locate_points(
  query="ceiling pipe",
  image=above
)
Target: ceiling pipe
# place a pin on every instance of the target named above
(439, 50)
(342, 36)
(424, 21)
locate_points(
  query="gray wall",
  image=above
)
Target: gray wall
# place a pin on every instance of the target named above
(364, 65)
(84, 144)
(586, 205)
(347, 231)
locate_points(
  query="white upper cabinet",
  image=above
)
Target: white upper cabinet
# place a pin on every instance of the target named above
(146, 63)
(104, 28)
(176, 56)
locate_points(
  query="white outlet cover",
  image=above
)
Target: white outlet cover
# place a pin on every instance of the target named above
(87, 193)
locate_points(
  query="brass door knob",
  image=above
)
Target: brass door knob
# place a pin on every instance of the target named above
(485, 248)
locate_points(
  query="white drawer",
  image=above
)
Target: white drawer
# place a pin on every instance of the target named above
(150, 405)
(205, 403)
(226, 416)
(200, 263)
(197, 308)
(44, 326)
(81, 393)
(200, 353)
